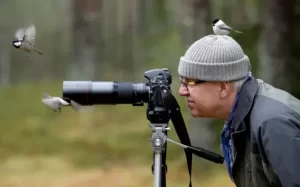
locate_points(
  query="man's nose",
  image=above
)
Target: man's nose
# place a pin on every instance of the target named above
(182, 90)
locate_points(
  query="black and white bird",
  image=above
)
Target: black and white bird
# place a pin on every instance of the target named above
(220, 28)
(55, 103)
(25, 39)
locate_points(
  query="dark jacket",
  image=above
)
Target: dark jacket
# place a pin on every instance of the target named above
(266, 137)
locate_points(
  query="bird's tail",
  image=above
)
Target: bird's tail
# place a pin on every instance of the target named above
(38, 52)
(238, 32)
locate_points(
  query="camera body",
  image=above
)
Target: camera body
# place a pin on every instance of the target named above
(104, 92)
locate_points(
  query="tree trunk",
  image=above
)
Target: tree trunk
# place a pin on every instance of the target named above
(126, 61)
(85, 24)
(276, 43)
(294, 68)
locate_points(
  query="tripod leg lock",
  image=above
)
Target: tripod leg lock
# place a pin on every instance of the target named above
(164, 167)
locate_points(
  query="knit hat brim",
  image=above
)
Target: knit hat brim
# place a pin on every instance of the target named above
(231, 71)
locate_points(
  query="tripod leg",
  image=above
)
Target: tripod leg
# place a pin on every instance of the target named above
(157, 170)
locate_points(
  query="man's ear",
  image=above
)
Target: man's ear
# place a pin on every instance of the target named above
(225, 89)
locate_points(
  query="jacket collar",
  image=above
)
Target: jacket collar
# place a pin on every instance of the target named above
(246, 98)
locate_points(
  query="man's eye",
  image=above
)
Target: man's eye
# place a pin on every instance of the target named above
(191, 83)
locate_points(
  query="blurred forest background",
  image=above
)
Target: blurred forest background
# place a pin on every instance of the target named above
(118, 40)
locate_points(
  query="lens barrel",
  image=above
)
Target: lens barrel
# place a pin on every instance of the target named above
(104, 92)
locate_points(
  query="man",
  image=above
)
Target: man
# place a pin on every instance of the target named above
(261, 136)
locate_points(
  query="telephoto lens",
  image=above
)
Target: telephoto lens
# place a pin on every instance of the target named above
(106, 93)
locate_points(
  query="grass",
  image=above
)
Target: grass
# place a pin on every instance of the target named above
(53, 173)
(39, 147)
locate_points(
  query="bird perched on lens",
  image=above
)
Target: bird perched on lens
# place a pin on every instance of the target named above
(55, 103)
(220, 28)
(25, 39)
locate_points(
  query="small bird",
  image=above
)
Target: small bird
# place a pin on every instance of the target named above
(55, 103)
(220, 28)
(25, 39)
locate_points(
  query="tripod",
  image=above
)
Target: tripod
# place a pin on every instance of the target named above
(158, 140)
(159, 168)
(158, 115)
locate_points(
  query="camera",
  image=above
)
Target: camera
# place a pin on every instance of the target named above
(152, 92)
(105, 92)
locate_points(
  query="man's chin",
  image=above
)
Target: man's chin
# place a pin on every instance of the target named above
(195, 113)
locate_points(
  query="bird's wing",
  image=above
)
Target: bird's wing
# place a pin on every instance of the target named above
(20, 33)
(46, 96)
(30, 34)
(76, 106)
(225, 27)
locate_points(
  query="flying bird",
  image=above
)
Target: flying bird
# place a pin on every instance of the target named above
(25, 39)
(220, 28)
(55, 103)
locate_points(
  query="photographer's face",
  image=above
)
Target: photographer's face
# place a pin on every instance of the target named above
(202, 98)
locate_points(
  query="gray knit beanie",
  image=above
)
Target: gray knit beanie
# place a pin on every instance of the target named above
(214, 58)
